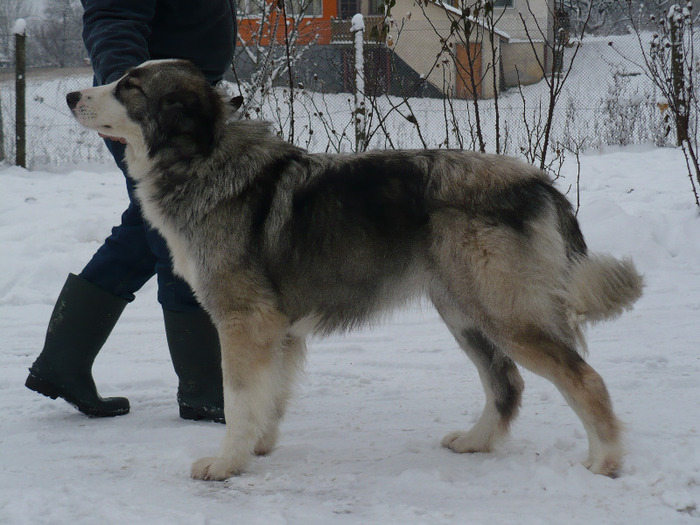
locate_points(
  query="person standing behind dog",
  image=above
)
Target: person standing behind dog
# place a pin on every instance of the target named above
(120, 34)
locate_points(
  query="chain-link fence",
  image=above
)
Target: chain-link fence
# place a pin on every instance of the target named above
(413, 97)
(53, 135)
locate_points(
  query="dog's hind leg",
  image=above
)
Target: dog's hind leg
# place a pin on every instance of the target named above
(291, 362)
(501, 381)
(582, 388)
(251, 356)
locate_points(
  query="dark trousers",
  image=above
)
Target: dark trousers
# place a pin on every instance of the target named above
(134, 252)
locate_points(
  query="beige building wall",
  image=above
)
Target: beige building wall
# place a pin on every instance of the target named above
(526, 17)
(525, 21)
(520, 63)
(416, 40)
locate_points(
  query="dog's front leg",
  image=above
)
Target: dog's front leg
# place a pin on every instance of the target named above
(250, 355)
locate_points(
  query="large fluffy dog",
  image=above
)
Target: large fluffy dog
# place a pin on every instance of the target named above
(279, 243)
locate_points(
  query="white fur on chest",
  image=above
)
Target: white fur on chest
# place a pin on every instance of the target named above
(183, 263)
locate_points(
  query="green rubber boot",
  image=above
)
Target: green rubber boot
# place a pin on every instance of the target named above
(81, 321)
(196, 355)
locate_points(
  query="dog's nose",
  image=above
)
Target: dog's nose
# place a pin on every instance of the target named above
(73, 98)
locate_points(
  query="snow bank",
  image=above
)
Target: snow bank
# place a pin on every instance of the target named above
(361, 442)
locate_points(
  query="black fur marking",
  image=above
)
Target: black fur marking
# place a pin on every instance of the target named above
(259, 196)
(568, 226)
(186, 124)
(386, 198)
(497, 365)
(353, 228)
(520, 204)
(516, 205)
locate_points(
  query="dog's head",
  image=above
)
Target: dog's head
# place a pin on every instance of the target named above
(161, 104)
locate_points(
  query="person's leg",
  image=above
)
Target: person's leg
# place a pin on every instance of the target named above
(87, 310)
(81, 321)
(192, 338)
(193, 341)
(129, 257)
(194, 348)
(125, 262)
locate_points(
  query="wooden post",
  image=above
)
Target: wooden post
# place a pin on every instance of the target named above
(675, 24)
(20, 91)
(2, 135)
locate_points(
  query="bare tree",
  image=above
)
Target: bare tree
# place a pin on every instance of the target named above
(599, 16)
(555, 76)
(10, 11)
(472, 24)
(671, 63)
(278, 34)
(58, 36)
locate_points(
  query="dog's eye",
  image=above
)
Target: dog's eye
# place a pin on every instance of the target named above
(130, 84)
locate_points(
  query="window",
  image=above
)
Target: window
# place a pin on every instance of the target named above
(460, 4)
(304, 7)
(376, 7)
(347, 9)
(249, 7)
(254, 8)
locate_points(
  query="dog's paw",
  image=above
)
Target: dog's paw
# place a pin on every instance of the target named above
(466, 442)
(605, 458)
(267, 443)
(608, 465)
(215, 469)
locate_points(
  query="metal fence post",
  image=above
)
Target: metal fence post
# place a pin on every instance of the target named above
(20, 90)
(358, 30)
(2, 135)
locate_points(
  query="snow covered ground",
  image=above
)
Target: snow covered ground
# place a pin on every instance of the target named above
(360, 444)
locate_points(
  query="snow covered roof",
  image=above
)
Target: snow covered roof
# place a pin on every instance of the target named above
(457, 11)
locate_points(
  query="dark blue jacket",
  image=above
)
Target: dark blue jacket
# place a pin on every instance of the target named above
(120, 34)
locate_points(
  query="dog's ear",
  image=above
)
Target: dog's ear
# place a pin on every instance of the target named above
(187, 120)
(171, 102)
(236, 103)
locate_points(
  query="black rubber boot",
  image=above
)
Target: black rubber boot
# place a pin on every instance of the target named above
(196, 355)
(81, 321)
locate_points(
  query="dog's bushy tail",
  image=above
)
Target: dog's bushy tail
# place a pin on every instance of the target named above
(601, 287)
